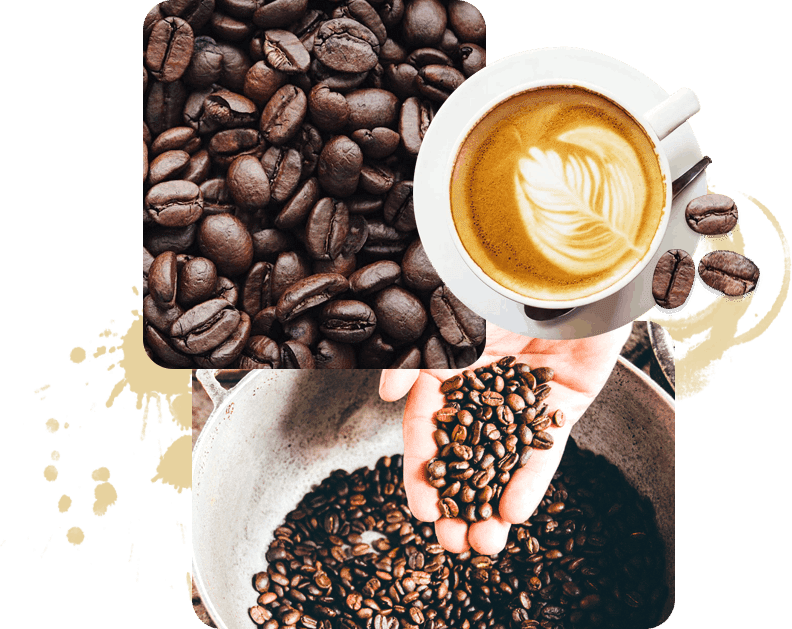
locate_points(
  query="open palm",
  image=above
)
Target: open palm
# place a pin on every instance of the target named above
(581, 369)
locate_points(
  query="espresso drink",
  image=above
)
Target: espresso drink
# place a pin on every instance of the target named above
(557, 193)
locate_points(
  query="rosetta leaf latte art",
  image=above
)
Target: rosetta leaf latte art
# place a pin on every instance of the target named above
(581, 209)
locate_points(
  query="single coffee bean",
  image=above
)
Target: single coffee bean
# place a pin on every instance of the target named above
(416, 115)
(347, 321)
(248, 183)
(377, 143)
(437, 82)
(374, 277)
(225, 241)
(459, 325)
(197, 281)
(285, 53)
(326, 229)
(400, 313)
(339, 166)
(542, 441)
(673, 279)
(711, 214)
(174, 203)
(205, 326)
(424, 22)
(278, 14)
(260, 352)
(728, 272)
(283, 114)
(296, 355)
(308, 293)
(346, 45)
(371, 108)
(170, 49)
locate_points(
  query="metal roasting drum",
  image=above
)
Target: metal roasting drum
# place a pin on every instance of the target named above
(278, 433)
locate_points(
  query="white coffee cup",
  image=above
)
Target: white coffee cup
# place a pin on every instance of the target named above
(656, 123)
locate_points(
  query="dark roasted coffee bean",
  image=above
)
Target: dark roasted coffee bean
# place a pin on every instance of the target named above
(248, 183)
(424, 23)
(296, 355)
(416, 115)
(326, 229)
(542, 441)
(224, 240)
(339, 166)
(333, 355)
(371, 108)
(278, 14)
(285, 53)
(374, 277)
(711, 214)
(399, 210)
(174, 203)
(673, 279)
(308, 293)
(347, 321)
(170, 49)
(283, 114)
(474, 58)
(329, 109)
(419, 274)
(437, 82)
(197, 281)
(449, 508)
(262, 82)
(542, 375)
(283, 167)
(260, 352)
(376, 143)
(728, 272)
(346, 45)
(299, 206)
(559, 419)
(459, 325)
(400, 313)
(205, 326)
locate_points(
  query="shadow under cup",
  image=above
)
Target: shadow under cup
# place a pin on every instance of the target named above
(559, 195)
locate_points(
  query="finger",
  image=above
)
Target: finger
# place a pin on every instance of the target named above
(452, 534)
(489, 537)
(419, 446)
(528, 485)
(395, 383)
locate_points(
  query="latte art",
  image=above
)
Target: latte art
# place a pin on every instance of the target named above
(557, 193)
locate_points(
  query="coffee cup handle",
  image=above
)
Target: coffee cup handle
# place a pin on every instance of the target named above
(672, 112)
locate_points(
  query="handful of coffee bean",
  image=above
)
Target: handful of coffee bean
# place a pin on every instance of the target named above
(493, 420)
(279, 145)
(725, 271)
(352, 556)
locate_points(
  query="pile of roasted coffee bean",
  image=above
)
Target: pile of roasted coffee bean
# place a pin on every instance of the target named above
(492, 421)
(590, 556)
(727, 272)
(279, 144)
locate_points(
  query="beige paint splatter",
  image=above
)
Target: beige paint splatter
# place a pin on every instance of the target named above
(52, 424)
(77, 355)
(175, 465)
(105, 494)
(713, 330)
(181, 406)
(75, 535)
(55, 455)
(182, 530)
(64, 503)
(50, 473)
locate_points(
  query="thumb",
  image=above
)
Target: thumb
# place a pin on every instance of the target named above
(396, 383)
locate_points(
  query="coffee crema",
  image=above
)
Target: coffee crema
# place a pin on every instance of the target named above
(557, 193)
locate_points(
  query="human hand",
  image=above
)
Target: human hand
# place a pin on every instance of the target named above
(581, 369)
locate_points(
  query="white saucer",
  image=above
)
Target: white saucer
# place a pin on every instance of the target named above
(430, 193)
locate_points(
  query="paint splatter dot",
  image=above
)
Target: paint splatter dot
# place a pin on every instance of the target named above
(182, 410)
(52, 425)
(64, 503)
(77, 355)
(174, 467)
(75, 535)
(66, 425)
(50, 473)
(55, 455)
(99, 352)
(105, 494)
